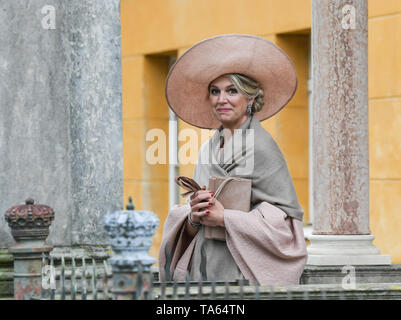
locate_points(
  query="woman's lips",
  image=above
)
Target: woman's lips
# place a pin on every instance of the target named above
(223, 110)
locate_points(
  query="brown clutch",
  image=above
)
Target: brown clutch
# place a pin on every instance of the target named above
(233, 193)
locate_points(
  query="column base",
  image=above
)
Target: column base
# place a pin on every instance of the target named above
(336, 250)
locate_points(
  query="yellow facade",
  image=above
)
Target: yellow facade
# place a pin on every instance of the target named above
(154, 31)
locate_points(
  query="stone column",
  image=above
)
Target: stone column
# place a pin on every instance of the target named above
(340, 131)
(61, 118)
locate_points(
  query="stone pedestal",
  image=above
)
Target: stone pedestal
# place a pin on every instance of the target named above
(29, 226)
(28, 269)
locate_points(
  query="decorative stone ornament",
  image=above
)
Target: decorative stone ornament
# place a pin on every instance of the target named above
(131, 233)
(29, 225)
(29, 221)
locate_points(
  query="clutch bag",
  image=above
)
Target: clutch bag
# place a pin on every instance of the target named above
(233, 193)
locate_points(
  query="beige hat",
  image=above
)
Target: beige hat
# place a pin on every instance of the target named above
(188, 80)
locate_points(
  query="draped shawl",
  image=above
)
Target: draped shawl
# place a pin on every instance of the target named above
(258, 158)
(265, 245)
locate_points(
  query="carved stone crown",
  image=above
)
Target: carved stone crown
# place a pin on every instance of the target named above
(131, 229)
(131, 233)
(29, 221)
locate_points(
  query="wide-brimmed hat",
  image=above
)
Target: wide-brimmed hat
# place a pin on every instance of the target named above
(188, 80)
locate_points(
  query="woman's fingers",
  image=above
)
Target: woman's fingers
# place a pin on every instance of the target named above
(199, 192)
(200, 196)
(201, 205)
(200, 214)
(194, 194)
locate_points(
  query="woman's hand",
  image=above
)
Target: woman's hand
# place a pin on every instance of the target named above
(205, 210)
(214, 215)
(199, 204)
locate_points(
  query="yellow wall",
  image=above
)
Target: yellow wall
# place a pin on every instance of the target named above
(144, 108)
(385, 125)
(154, 30)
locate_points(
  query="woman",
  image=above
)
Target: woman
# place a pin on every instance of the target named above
(232, 82)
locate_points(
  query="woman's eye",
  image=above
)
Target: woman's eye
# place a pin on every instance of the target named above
(214, 91)
(232, 91)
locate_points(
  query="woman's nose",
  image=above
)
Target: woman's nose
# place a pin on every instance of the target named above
(222, 97)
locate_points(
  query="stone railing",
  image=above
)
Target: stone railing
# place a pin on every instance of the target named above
(128, 272)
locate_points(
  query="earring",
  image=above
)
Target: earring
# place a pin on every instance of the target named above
(249, 109)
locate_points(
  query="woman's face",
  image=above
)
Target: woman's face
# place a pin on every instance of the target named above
(228, 105)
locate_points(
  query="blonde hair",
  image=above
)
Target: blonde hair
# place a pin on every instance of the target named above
(249, 88)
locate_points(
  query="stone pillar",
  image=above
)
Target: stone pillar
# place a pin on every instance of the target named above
(340, 131)
(61, 117)
(131, 233)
